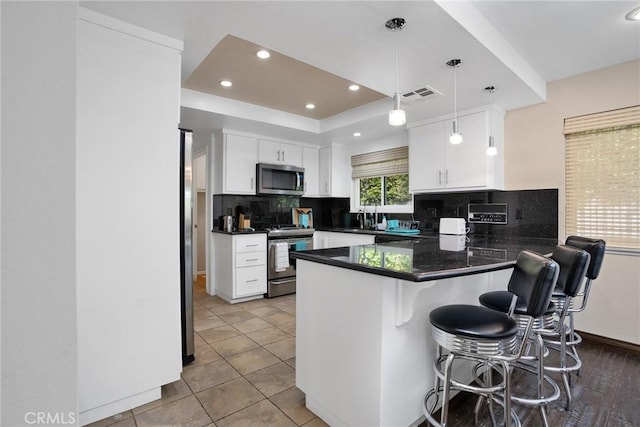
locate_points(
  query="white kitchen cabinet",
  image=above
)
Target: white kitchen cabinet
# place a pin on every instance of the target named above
(335, 170)
(332, 239)
(240, 155)
(311, 164)
(437, 165)
(240, 266)
(276, 153)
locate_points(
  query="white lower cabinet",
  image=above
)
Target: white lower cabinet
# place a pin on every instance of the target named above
(250, 281)
(240, 266)
(332, 239)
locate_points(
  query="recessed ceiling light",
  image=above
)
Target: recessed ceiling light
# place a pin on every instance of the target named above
(225, 83)
(310, 106)
(263, 54)
(354, 87)
(357, 134)
(634, 15)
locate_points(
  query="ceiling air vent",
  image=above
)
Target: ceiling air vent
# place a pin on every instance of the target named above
(421, 94)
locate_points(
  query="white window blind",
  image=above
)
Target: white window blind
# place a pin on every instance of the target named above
(394, 161)
(602, 165)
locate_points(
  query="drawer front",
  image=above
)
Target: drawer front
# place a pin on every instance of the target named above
(248, 259)
(254, 243)
(251, 281)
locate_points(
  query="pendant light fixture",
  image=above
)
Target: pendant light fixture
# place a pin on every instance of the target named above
(456, 136)
(397, 117)
(491, 149)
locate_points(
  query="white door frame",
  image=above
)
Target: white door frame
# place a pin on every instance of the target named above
(203, 152)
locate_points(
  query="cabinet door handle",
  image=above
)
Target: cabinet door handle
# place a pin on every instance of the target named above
(248, 246)
(252, 259)
(439, 177)
(446, 176)
(252, 183)
(326, 187)
(278, 155)
(252, 280)
(283, 155)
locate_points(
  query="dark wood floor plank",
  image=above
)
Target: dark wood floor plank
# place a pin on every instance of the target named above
(630, 376)
(606, 394)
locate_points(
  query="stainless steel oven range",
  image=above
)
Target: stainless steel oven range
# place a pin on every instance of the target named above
(281, 280)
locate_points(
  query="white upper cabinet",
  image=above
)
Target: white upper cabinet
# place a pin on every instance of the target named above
(311, 163)
(335, 179)
(426, 156)
(274, 152)
(437, 165)
(239, 165)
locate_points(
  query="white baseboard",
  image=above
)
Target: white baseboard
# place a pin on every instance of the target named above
(101, 412)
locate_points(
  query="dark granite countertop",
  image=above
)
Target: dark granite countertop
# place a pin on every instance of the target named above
(234, 233)
(429, 258)
(424, 234)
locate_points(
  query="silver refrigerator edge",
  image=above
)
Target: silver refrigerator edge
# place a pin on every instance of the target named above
(186, 245)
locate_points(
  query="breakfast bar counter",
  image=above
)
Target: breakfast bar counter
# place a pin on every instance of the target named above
(364, 351)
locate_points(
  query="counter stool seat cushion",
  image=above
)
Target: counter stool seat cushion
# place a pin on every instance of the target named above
(501, 301)
(473, 321)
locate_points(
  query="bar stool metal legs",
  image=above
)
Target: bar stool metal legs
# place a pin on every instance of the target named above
(566, 340)
(489, 338)
(445, 384)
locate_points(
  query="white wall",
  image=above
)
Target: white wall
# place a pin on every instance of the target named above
(534, 158)
(38, 211)
(202, 146)
(368, 146)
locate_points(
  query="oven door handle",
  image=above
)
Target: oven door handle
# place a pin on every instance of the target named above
(283, 281)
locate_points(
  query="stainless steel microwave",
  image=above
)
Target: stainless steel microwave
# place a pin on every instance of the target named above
(280, 179)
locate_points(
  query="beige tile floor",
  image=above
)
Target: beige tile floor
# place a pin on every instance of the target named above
(243, 375)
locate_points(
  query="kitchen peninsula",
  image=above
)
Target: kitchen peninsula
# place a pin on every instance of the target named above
(364, 351)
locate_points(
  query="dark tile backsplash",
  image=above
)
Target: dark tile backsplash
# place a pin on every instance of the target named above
(530, 213)
(261, 210)
(329, 212)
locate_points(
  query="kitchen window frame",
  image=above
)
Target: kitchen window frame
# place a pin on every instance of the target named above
(356, 207)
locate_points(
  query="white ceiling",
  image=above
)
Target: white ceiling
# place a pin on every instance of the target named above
(516, 46)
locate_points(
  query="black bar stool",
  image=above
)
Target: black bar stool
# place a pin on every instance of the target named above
(483, 335)
(573, 263)
(565, 340)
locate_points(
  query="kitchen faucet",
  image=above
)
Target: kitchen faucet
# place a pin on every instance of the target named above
(375, 215)
(364, 222)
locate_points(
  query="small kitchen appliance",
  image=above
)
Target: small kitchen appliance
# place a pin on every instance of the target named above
(226, 223)
(455, 226)
(283, 180)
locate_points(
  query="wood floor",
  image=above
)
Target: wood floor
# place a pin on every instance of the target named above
(607, 393)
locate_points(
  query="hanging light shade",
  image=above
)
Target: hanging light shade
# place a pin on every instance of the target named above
(456, 136)
(397, 116)
(492, 150)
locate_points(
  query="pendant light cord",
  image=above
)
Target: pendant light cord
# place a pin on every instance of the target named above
(490, 112)
(397, 65)
(455, 94)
